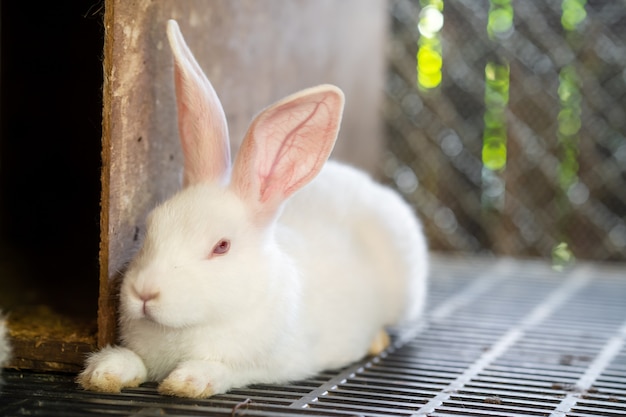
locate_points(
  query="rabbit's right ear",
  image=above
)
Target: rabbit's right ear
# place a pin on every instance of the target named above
(286, 146)
(201, 121)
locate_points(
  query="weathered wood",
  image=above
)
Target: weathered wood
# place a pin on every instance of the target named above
(254, 52)
(44, 339)
(54, 355)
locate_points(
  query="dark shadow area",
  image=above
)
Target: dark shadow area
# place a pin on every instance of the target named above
(51, 103)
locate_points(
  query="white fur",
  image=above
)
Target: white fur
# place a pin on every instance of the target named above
(113, 368)
(364, 257)
(310, 280)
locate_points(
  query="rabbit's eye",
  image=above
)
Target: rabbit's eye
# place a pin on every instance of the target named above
(221, 247)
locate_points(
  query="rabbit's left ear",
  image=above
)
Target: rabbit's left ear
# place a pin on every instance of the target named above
(201, 121)
(286, 146)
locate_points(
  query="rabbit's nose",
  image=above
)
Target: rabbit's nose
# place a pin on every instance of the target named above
(147, 296)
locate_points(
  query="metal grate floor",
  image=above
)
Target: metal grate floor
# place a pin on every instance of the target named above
(500, 338)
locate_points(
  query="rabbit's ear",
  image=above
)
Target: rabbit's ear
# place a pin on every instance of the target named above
(201, 121)
(286, 146)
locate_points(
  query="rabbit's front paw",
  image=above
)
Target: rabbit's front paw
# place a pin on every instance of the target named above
(195, 379)
(112, 369)
(380, 343)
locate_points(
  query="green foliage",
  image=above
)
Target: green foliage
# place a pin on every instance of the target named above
(429, 63)
(438, 4)
(573, 13)
(494, 152)
(562, 256)
(569, 123)
(500, 19)
(429, 54)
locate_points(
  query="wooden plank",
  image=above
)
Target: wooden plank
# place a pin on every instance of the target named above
(254, 52)
(44, 339)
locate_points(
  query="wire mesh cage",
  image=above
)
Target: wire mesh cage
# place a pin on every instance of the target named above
(506, 124)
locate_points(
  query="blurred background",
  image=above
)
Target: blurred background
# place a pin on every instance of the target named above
(506, 124)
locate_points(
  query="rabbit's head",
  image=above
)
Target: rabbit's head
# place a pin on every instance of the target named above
(209, 254)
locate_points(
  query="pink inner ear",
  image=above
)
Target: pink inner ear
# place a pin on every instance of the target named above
(290, 163)
(287, 145)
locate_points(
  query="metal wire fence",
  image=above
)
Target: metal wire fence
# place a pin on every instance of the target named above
(557, 187)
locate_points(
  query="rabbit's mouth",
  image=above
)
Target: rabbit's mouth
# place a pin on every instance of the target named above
(137, 310)
(148, 315)
(151, 321)
(154, 316)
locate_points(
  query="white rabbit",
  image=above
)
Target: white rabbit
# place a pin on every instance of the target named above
(243, 280)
